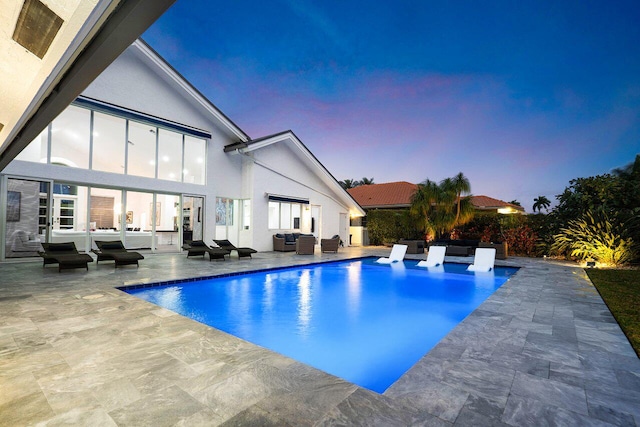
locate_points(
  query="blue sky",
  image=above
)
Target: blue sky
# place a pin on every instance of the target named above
(519, 96)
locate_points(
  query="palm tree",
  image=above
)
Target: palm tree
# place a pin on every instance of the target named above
(348, 183)
(515, 202)
(458, 185)
(424, 201)
(366, 181)
(437, 206)
(541, 202)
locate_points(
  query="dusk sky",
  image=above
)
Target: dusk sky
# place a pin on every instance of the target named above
(520, 96)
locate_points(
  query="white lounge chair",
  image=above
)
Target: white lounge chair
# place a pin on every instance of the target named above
(483, 260)
(397, 254)
(435, 257)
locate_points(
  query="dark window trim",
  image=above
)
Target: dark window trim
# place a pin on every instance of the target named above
(137, 116)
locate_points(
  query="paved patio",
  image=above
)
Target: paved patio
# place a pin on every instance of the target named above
(543, 350)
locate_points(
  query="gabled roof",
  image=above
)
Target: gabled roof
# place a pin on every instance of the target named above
(387, 195)
(289, 138)
(398, 195)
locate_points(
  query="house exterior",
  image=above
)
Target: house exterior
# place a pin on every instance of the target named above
(142, 156)
(397, 195)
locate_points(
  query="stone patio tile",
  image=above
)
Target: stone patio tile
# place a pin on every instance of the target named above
(365, 408)
(481, 378)
(523, 411)
(166, 407)
(550, 392)
(28, 409)
(618, 399)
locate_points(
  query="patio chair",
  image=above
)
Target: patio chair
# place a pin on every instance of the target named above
(65, 255)
(200, 248)
(435, 257)
(242, 252)
(330, 245)
(115, 251)
(483, 260)
(305, 245)
(397, 254)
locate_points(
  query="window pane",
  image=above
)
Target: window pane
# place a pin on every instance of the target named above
(194, 164)
(108, 143)
(170, 155)
(138, 220)
(36, 151)
(70, 138)
(285, 215)
(141, 160)
(295, 214)
(246, 214)
(274, 215)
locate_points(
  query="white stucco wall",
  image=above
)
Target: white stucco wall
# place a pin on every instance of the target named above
(285, 174)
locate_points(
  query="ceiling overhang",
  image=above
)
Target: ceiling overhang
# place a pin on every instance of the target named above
(35, 90)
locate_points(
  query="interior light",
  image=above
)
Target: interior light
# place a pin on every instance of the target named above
(165, 158)
(199, 160)
(152, 162)
(186, 171)
(172, 175)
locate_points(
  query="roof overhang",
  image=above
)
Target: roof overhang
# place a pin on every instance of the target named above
(34, 91)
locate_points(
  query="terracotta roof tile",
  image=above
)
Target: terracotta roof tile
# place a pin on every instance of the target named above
(398, 194)
(390, 194)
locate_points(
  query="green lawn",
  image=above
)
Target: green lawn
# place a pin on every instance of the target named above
(620, 290)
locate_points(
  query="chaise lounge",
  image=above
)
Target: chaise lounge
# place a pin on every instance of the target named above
(65, 255)
(199, 248)
(115, 251)
(242, 252)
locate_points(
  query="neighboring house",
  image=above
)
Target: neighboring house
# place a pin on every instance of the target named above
(397, 195)
(144, 157)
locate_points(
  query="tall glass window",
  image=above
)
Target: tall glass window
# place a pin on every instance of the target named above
(109, 134)
(170, 155)
(36, 151)
(194, 156)
(139, 219)
(141, 158)
(274, 215)
(70, 138)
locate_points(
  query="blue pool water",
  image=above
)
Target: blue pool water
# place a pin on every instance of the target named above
(364, 322)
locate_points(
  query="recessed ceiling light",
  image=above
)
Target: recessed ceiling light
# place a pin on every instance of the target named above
(36, 28)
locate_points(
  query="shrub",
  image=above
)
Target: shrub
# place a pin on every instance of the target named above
(389, 226)
(521, 240)
(595, 236)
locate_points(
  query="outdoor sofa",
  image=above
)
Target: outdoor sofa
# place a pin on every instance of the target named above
(286, 242)
(413, 246)
(65, 255)
(457, 247)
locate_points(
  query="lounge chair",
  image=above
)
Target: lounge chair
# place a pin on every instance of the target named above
(65, 255)
(200, 248)
(397, 254)
(242, 252)
(435, 257)
(330, 245)
(306, 245)
(115, 251)
(483, 260)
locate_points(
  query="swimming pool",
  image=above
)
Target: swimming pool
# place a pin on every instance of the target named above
(361, 321)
